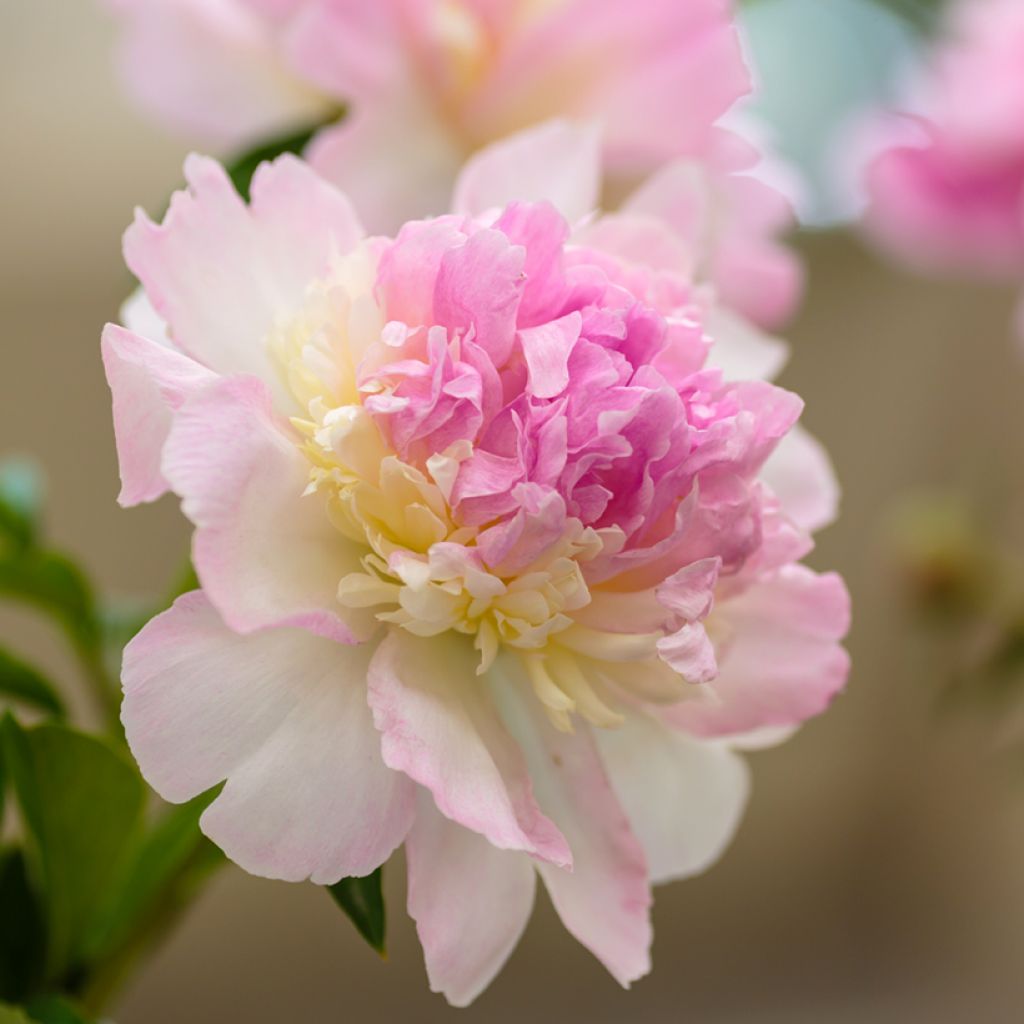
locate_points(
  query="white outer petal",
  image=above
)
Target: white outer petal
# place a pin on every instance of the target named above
(470, 901)
(282, 716)
(684, 797)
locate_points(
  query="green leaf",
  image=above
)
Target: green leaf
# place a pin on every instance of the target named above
(363, 900)
(172, 849)
(22, 930)
(174, 863)
(21, 495)
(244, 167)
(12, 1015)
(21, 682)
(54, 1010)
(54, 584)
(81, 803)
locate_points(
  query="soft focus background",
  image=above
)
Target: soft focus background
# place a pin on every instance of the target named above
(879, 874)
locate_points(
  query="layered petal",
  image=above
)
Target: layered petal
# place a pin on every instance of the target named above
(605, 900)
(282, 716)
(684, 797)
(148, 382)
(470, 902)
(439, 726)
(265, 551)
(223, 274)
(782, 662)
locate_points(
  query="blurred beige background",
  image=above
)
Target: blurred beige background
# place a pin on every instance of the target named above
(879, 875)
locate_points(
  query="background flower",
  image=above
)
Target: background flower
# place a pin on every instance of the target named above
(427, 85)
(947, 191)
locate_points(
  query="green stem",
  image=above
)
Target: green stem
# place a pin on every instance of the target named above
(106, 979)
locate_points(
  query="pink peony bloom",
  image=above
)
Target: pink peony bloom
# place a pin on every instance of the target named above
(427, 84)
(496, 562)
(947, 191)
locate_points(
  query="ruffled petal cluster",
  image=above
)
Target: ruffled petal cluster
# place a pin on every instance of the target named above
(497, 560)
(425, 85)
(947, 190)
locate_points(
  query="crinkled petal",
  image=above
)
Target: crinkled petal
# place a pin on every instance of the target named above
(684, 797)
(546, 349)
(282, 716)
(223, 275)
(479, 284)
(470, 901)
(782, 662)
(440, 727)
(690, 652)
(149, 382)
(266, 553)
(690, 592)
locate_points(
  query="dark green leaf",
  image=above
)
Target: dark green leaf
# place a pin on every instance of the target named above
(21, 682)
(171, 849)
(22, 931)
(923, 15)
(363, 900)
(54, 1010)
(244, 167)
(21, 494)
(81, 805)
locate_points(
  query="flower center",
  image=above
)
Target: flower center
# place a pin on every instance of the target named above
(472, 508)
(422, 569)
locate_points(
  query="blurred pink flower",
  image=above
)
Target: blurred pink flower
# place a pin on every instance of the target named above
(427, 83)
(495, 562)
(947, 191)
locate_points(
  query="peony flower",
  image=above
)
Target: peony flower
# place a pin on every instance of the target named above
(426, 85)
(495, 561)
(947, 190)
